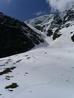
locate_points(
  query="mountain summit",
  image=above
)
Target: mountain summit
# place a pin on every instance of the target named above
(52, 24)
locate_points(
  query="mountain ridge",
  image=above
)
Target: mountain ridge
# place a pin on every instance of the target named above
(16, 36)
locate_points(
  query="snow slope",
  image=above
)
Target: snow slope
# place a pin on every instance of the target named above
(44, 72)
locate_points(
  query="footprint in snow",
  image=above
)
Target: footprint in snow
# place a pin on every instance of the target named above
(26, 73)
(17, 61)
(72, 67)
(8, 61)
(28, 57)
(45, 52)
(2, 65)
(67, 80)
(8, 77)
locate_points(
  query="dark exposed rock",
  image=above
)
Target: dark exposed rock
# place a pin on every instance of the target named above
(38, 22)
(69, 15)
(12, 86)
(67, 25)
(49, 32)
(57, 21)
(7, 70)
(39, 27)
(72, 38)
(71, 32)
(56, 35)
(16, 36)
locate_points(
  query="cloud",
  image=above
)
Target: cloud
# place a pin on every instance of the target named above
(60, 5)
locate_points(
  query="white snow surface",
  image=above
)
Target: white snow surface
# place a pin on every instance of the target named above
(43, 72)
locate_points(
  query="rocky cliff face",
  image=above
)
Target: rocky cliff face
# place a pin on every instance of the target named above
(52, 24)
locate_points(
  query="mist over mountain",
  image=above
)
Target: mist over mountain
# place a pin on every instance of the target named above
(60, 5)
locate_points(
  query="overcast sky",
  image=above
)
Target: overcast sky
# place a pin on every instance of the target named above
(24, 9)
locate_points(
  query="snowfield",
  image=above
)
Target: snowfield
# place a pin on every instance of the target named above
(43, 72)
(40, 73)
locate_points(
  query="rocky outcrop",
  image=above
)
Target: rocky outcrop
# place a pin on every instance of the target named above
(16, 36)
